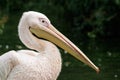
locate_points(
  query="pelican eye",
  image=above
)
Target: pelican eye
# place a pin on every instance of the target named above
(43, 22)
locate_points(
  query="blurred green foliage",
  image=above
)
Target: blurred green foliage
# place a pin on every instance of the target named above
(88, 18)
(82, 21)
(85, 22)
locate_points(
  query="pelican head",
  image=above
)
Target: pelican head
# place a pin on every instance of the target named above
(40, 26)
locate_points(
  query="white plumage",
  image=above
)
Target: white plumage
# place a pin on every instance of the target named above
(45, 62)
(30, 65)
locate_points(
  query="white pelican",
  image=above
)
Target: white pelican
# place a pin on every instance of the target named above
(44, 63)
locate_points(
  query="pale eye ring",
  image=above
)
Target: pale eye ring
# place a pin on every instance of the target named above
(43, 22)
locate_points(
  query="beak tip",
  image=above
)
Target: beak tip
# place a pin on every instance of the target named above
(97, 70)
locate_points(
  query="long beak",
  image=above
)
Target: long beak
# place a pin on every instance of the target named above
(53, 35)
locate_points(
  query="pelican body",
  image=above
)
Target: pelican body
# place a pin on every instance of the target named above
(44, 63)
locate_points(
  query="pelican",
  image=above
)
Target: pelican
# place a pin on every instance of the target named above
(43, 60)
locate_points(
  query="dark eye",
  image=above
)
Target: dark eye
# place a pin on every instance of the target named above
(43, 22)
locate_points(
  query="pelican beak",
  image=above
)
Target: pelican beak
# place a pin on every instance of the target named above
(52, 34)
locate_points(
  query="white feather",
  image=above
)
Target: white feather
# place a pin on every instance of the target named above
(43, 64)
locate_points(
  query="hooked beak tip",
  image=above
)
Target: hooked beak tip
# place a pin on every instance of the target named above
(98, 70)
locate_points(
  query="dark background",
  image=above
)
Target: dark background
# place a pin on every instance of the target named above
(93, 25)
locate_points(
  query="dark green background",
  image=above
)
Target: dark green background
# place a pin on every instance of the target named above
(93, 25)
